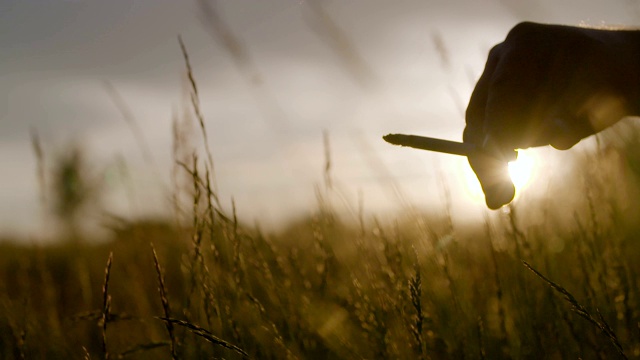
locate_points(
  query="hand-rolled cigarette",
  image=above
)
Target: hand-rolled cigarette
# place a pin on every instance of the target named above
(443, 146)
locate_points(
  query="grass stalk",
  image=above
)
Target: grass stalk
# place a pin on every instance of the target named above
(165, 303)
(106, 305)
(582, 311)
(36, 144)
(415, 292)
(195, 102)
(206, 334)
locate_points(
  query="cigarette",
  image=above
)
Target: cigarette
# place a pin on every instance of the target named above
(443, 146)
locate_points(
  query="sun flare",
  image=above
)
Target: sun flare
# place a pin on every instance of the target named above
(521, 172)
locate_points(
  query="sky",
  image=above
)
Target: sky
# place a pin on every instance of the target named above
(287, 72)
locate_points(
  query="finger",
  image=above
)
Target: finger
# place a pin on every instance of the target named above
(476, 110)
(565, 134)
(494, 178)
(563, 137)
(492, 174)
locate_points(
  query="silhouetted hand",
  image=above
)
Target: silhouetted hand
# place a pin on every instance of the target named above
(548, 85)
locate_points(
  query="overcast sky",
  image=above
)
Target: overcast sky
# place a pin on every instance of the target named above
(356, 69)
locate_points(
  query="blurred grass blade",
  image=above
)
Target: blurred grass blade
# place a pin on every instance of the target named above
(582, 311)
(206, 334)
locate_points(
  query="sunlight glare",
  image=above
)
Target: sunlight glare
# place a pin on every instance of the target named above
(521, 172)
(473, 188)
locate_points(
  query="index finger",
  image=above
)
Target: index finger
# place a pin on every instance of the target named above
(475, 115)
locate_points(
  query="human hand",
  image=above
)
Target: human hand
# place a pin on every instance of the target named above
(548, 85)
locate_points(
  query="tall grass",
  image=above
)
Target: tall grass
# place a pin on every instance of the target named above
(325, 287)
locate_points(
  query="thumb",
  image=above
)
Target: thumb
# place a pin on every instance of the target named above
(494, 178)
(565, 133)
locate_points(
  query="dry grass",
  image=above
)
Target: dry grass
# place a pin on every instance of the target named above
(165, 302)
(323, 288)
(106, 306)
(582, 311)
(326, 287)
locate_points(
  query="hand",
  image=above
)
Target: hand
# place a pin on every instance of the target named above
(548, 85)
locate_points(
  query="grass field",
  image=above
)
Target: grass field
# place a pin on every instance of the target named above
(327, 288)
(413, 286)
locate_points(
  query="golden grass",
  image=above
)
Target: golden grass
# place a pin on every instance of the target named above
(320, 289)
(328, 288)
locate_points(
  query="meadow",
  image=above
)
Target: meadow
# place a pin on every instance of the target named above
(414, 285)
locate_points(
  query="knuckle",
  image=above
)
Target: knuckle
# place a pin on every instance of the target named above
(525, 33)
(523, 28)
(496, 51)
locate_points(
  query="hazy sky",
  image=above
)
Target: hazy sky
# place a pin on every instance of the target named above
(356, 69)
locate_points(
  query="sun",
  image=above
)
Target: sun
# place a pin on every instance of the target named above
(521, 172)
(522, 169)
